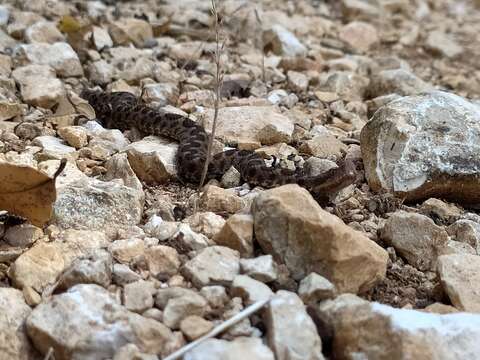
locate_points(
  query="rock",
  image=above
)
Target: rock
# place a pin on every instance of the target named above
(238, 349)
(315, 288)
(100, 72)
(122, 274)
(30, 78)
(365, 330)
(195, 326)
(153, 159)
(13, 312)
(124, 251)
(297, 81)
(206, 223)
(94, 269)
(416, 238)
(97, 205)
(437, 209)
(32, 298)
(348, 86)
(7, 43)
(291, 333)
(283, 42)
(22, 235)
(132, 30)
(9, 110)
(324, 146)
(360, 36)
(75, 136)
(218, 200)
(231, 178)
(237, 234)
(443, 44)
(131, 351)
(457, 273)
(101, 38)
(216, 295)
(397, 81)
(138, 296)
(261, 268)
(60, 56)
(180, 307)
(160, 94)
(215, 265)
(406, 151)
(439, 308)
(250, 124)
(87, 323)
(241, 328)
(466, 232)
(54, 148)
(43, 32)
(293, 228)
(360, 9)
(118, 167)
(162, 261)
(250, 290)
(38, 267)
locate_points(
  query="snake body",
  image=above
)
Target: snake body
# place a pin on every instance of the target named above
(123, 111)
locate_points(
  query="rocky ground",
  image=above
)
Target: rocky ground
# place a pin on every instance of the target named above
(134, 264)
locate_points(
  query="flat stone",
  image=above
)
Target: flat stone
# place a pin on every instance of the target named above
(406, 150)
(195, 326)
(218, 200)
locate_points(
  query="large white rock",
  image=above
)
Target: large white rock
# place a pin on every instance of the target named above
(364, 330)
(425, 146)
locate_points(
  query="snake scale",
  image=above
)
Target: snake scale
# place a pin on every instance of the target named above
(123, 111)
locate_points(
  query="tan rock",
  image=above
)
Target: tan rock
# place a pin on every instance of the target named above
(132, 30)
(459, 274)
(206, 223)
(293, 228)
(162, 261)
(360, 36)
(247, 124)
(75, 136)
(416, 238)
(443, 44)
(297, 81)
(261, 268)
(43, 32)
(213, 265)
(9, 110)
(195, 326)
(218, 200)
(153, 159)
(126, 250)
(32, 298)
(237, 234)
(118, 167)
(138, 296)
(179, 308)
(13, 313)
(439, 308)
(324, 146)
(216, 295)
(315, 288)
(38, 267)
(291, 333)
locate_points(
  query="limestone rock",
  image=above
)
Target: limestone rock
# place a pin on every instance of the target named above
(13, 312)
(22, 235)
(315, 288)
(237, 234)
(397, 81)
(416, 238)
(360, 36)
(365, 330)
(87, 323)
(291, 333)
(324, 146)
(217, 200)
(60, 56)
(213, 265)
(348, 86)
(138, 296)
(43, 32)
(250, 124)
(261, 268)
(293, 228)
(206, 223)
(238, 349)
(195, 326)
(162, 261)
(75, 136)
(39, 85)
(297, 81)
(443, 44)
(459, 274)
(125, 250)
(406, 149)
(283, 42)
(54, 147)
(9, 110)
(132, 30)
(467, 232)
(180, 307)
(250, 290)
(153, 159)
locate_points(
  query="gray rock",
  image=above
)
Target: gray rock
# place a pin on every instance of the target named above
(424, 146)
(397, 81)
(283, 42)
(262, 268)
(238, 349)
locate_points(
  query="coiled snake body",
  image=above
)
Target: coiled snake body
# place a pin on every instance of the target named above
(122, 110)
